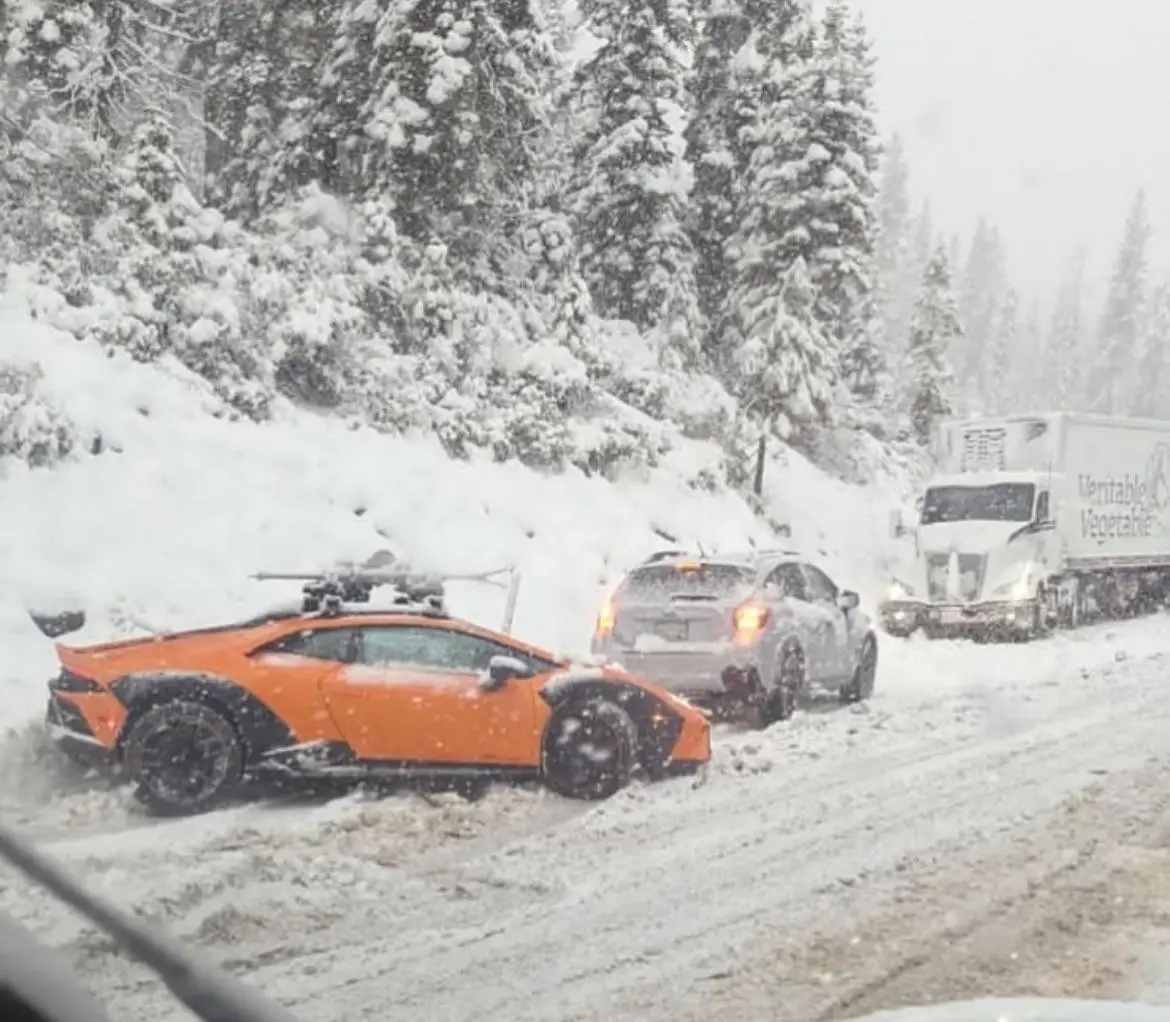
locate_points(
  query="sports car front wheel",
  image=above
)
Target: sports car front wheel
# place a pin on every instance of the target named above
(589, 749)
(184, 757)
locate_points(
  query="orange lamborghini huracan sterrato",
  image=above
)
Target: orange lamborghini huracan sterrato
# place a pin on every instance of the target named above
(334, 689)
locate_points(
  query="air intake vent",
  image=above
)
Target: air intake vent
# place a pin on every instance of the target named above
(983, 449)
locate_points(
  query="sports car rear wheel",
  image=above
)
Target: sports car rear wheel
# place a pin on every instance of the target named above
(589, 749)
(184, 757)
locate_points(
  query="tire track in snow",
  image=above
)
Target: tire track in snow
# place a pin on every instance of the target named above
(747, 873)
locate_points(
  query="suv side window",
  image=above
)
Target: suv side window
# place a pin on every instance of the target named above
(436, 649)
(789, 580)
(333, 644)
(820, 586)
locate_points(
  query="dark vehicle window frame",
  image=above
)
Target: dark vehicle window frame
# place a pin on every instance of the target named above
(653, 580)
(817, 578)
(311, 643)
(783, 575)
(999, 502)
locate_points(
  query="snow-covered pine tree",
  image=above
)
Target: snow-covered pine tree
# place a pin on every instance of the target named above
(1064, 379)
(1003, 357)
(454, 117)
(265, 68)
(933, 332)
(1152, 399)
(839, 199)
(1029, 378)
(777, 228)
(785, 364)
(628, 196)
(711, 149)
(920, 246)
(979, 297)
(1110, 385)
(72, 60)
(892, 245)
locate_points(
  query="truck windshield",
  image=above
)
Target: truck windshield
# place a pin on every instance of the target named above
(1002, 502)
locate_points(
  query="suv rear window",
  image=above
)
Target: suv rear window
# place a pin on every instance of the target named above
(663, 581)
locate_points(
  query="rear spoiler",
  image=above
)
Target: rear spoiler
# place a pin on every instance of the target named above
(62, 623)
(54, 626)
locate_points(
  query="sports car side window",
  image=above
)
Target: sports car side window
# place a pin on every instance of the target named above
(439, 649)
(333, 644)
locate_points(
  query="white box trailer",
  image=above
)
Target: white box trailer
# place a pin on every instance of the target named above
(1034, 521)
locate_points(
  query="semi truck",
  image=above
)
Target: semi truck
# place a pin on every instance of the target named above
(1034, 522)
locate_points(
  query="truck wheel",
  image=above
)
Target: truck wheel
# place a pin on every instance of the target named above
(184, 757)
(779, 701)
(589, 749)
(1045, 614)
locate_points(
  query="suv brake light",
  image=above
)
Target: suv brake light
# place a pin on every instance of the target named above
(606, 619)
(750, 619)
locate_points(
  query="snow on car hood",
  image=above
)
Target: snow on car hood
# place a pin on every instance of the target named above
(965, 537)
(1026, 1010)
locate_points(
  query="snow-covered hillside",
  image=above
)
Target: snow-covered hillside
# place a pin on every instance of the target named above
(165, 526)
(835, 848)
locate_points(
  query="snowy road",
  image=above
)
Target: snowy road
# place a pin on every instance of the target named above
(849, 861)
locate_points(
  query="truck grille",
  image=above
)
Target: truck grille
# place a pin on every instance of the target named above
(971, 567)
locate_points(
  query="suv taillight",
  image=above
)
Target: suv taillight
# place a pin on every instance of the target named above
(750, 619)
(606, 619)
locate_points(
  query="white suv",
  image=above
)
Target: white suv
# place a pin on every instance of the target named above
(765, 628)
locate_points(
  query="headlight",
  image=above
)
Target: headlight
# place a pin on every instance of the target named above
(1023, 586)
(899, 591)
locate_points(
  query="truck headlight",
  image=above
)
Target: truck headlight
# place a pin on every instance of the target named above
(1023, 586)
(899, 591)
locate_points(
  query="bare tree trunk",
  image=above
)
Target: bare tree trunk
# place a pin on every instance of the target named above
(761, 457)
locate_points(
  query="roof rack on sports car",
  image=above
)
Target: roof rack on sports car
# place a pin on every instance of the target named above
(335, 592)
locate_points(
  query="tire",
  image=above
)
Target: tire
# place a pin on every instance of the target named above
(861, 685)
(779, 701)
(183, 757)
(589, 751)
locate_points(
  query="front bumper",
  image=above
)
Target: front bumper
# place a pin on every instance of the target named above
(902, 617)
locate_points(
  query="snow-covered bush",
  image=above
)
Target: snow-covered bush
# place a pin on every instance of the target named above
(30, 428)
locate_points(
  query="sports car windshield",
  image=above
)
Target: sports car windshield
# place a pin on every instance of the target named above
(663, 581)
(1002, 502)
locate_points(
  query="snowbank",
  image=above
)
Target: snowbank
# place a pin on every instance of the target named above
(163, 528)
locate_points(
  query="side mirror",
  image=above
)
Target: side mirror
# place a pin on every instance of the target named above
(848, 600)
(501, 670)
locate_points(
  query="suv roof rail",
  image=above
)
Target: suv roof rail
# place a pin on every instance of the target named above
(667, 555)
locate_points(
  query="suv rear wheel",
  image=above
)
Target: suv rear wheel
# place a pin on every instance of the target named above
(779, 701)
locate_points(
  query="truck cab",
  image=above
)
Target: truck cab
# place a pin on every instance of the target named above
(985, 542)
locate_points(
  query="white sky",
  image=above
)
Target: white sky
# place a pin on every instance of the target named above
(1045, 115)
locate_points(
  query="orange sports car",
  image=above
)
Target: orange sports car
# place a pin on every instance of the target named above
(334, 689)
